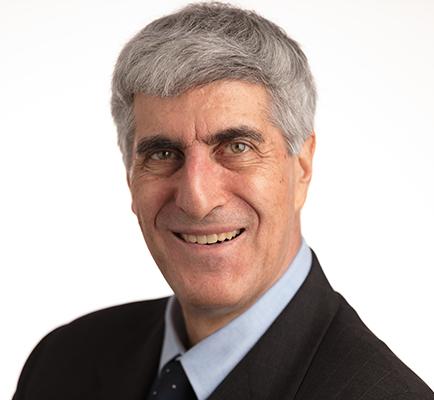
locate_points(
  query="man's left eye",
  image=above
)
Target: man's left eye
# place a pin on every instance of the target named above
(239, 147)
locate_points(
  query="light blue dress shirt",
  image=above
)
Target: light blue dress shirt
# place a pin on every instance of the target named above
(225, 348)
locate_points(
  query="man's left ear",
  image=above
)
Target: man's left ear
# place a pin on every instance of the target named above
(303, 170)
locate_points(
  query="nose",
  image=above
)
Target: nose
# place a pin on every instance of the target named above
(200, 184)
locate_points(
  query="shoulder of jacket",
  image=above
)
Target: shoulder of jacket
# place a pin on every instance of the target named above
(360, 363)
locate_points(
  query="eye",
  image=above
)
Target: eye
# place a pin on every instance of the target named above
(238, 147)
(163, 155)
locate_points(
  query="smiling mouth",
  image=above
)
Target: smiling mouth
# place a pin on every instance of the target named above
(213, 238)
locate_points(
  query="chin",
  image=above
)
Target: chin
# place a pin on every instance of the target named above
(215, 296)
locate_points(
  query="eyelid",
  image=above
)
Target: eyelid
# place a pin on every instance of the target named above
(153, 153)
(243, 141)
(148, 155)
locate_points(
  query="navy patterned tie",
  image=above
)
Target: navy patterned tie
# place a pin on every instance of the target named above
(172, 384)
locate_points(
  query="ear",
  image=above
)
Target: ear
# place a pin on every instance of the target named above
(133, 208)
(303, 170)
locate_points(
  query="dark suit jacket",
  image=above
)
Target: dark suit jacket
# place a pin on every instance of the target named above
(317, 349)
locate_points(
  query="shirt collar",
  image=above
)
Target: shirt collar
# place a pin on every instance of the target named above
(224, 349)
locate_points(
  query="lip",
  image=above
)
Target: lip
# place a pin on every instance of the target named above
(209, 247)
(208, 230)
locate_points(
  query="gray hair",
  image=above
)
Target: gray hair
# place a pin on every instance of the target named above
(206, 42)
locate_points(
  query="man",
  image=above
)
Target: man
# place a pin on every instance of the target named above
(214, 107)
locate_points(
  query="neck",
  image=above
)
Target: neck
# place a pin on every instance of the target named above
(201, 322)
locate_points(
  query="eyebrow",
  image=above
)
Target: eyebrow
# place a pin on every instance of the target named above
(162, 142)
(239, 132)
(157, 142)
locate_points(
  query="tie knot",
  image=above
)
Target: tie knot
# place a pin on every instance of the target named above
(172, 384)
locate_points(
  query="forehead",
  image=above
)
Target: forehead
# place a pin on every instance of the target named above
(203, 110)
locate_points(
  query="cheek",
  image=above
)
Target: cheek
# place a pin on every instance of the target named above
(273, 193)
(147, 199)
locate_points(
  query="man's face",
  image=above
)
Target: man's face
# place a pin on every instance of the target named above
(216, 193)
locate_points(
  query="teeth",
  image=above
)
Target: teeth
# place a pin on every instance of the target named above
(190, 238)
(211, 238)
(221, 237)
(201, 239)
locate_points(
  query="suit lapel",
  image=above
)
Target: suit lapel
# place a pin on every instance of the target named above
(133, 364)
(277, 364)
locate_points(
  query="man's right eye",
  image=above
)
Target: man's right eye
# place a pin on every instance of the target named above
(163, 155)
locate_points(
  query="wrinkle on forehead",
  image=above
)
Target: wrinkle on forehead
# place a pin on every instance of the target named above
(191, 115)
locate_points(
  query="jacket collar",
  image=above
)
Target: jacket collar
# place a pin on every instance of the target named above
(277, 364)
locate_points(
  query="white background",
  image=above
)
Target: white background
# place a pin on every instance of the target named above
(69, 243)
